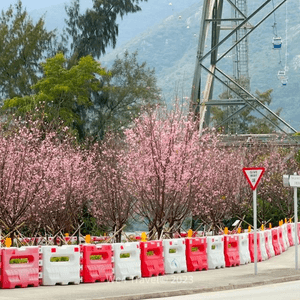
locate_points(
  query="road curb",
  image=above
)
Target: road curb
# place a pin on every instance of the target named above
(203, 290)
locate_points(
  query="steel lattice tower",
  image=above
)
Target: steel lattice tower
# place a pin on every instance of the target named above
(207, 72)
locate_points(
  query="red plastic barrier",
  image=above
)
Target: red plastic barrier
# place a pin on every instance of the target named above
(196, 256)
(152, 260)
(0, 266)
(21, 274)
(251, 247)
(95, 269)
(267, 244)
(290, 234)
(280, 238)
(275, 241)
(231, 251)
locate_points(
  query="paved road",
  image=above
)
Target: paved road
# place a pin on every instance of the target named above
(287, 290)
(276, 270)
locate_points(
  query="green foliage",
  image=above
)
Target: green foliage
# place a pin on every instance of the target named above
(131, 88)
(172, 250)
(61, 91)
(18, 261)
(22, 46)
(59, 259)
(150, 253)
(246, 121)
(194, 249)
(124, 255)
(96, 28)
(95, 257)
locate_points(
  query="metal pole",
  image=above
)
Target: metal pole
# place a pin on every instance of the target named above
(296, 227)
(255, 230)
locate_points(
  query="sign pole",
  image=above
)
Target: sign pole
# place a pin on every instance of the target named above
(296, 226)
(255, 229)
(253, 176)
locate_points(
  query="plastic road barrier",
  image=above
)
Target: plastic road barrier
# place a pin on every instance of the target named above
(262, 244)
(268, 243)
(291, 233)
(244, 248)
(97, 263)
(275, 241)
(60, 265)
(174, 256)
(231, 250)
(196, 255)
(152, 260)
(215, 252)
(251, 246)
(127, 261)
(19, 267)
(285, 236)
(280, 237)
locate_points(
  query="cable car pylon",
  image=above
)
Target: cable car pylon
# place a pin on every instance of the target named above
(207, 71)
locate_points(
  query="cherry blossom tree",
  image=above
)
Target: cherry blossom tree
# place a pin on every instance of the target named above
(160, 166)
(44, 178)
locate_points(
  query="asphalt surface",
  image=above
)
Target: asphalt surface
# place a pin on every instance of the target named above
(275, 270)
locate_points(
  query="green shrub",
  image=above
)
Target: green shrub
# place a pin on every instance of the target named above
(95, 257)
(124, 255)
(59, 259)
(150, 253)
(18, 261)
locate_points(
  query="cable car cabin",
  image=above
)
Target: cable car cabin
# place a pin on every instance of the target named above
(284, 82)
(281, 74)
(277, 43)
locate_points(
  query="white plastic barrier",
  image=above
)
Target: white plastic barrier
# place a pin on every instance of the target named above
(215, 252)
(174, 256)
(285, 236)
(244, 248)
(61, 272)
(269, 241)
(127, 267)
(262, 244)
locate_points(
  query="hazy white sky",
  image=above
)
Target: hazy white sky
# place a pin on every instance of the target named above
(32, 4)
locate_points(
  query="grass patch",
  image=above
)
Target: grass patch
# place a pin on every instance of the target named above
(96, 257)
(124, 255)
(18, 261)
(150, 253)
(59, 259)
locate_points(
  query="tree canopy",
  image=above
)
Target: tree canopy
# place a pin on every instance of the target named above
(23, 45)
(97, 28)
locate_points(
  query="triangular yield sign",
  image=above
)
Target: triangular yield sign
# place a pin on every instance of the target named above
(253, 176)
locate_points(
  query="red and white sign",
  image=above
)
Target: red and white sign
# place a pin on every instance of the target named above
(253, 176)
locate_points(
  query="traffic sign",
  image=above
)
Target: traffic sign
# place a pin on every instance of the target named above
(253, 176)
(294, 181)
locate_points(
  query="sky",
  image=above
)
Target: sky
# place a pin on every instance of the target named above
(32, 4)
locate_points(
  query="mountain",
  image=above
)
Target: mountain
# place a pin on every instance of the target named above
(166, 32)
(171, 47)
